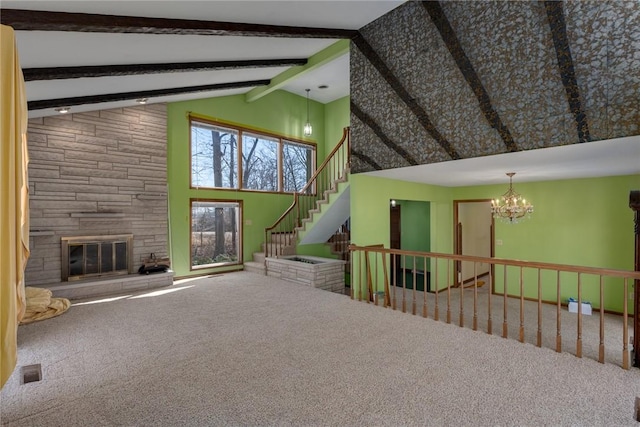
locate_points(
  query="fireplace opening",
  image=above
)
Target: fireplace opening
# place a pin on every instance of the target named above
(96, 256)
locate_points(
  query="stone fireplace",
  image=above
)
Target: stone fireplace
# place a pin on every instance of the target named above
(97, 200)
(86, 257)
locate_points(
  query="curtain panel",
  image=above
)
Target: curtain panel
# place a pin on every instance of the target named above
(14, 200)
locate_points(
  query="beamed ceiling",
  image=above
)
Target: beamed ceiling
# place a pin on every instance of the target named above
(104, 54)
(430, 82)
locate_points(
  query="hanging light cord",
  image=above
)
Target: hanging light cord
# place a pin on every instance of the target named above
(307, 126)
(308, 105)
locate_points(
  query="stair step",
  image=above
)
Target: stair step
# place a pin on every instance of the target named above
(338, 237)
(258, 257)
(254, 267)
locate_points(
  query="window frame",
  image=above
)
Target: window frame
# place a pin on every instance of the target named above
(281, 140)
(240, 224)
(191, 171)
(278, 159)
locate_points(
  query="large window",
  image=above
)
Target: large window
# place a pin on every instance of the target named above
(227, 157)
(215, 233)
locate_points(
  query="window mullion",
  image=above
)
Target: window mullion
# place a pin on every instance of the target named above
(291, 157)
(240, 162)
(280, 166)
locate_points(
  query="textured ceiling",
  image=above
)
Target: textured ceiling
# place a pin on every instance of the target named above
(439, 81)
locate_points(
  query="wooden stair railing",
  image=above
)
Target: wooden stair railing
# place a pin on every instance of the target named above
(634, 204)
(324, 181)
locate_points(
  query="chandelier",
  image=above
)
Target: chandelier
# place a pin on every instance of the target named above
(511, 207)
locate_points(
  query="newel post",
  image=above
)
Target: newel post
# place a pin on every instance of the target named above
(634, 204)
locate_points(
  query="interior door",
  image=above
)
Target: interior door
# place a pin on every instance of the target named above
(474, 236)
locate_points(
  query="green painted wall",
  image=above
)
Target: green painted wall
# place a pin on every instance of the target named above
(585, 222)
(279, 112)
(337, 117)
(370, 197)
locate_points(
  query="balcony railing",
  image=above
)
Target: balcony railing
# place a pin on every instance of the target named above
(526, 299)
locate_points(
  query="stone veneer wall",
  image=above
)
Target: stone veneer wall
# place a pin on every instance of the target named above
(327, 275)
(96, 173)
(510, 47)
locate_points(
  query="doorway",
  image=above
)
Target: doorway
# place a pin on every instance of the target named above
(410, 230)
(473, 235)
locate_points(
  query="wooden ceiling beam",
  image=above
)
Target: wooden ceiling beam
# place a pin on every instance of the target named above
(126, 96)
(371, 123)
(410, 101)
(56, 73)
(38, 20)
(321, 58)
(558, 27)
(368, 160)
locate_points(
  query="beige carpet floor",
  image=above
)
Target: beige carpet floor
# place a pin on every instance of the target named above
(247, 350)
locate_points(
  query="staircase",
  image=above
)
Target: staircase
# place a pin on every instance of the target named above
(317, 211)
(339, 243)
(282, 244)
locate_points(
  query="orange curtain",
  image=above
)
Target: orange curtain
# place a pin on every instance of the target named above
(14, 200)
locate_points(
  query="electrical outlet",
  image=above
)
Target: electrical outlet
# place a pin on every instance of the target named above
(247, 222)
(499, 242)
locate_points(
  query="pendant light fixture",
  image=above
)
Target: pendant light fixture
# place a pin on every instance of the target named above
(308, 130)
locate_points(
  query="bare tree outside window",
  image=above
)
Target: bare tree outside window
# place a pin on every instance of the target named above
(213, 156)
(260, 163)
(296, 169)
(216, 159)
(214, 234)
